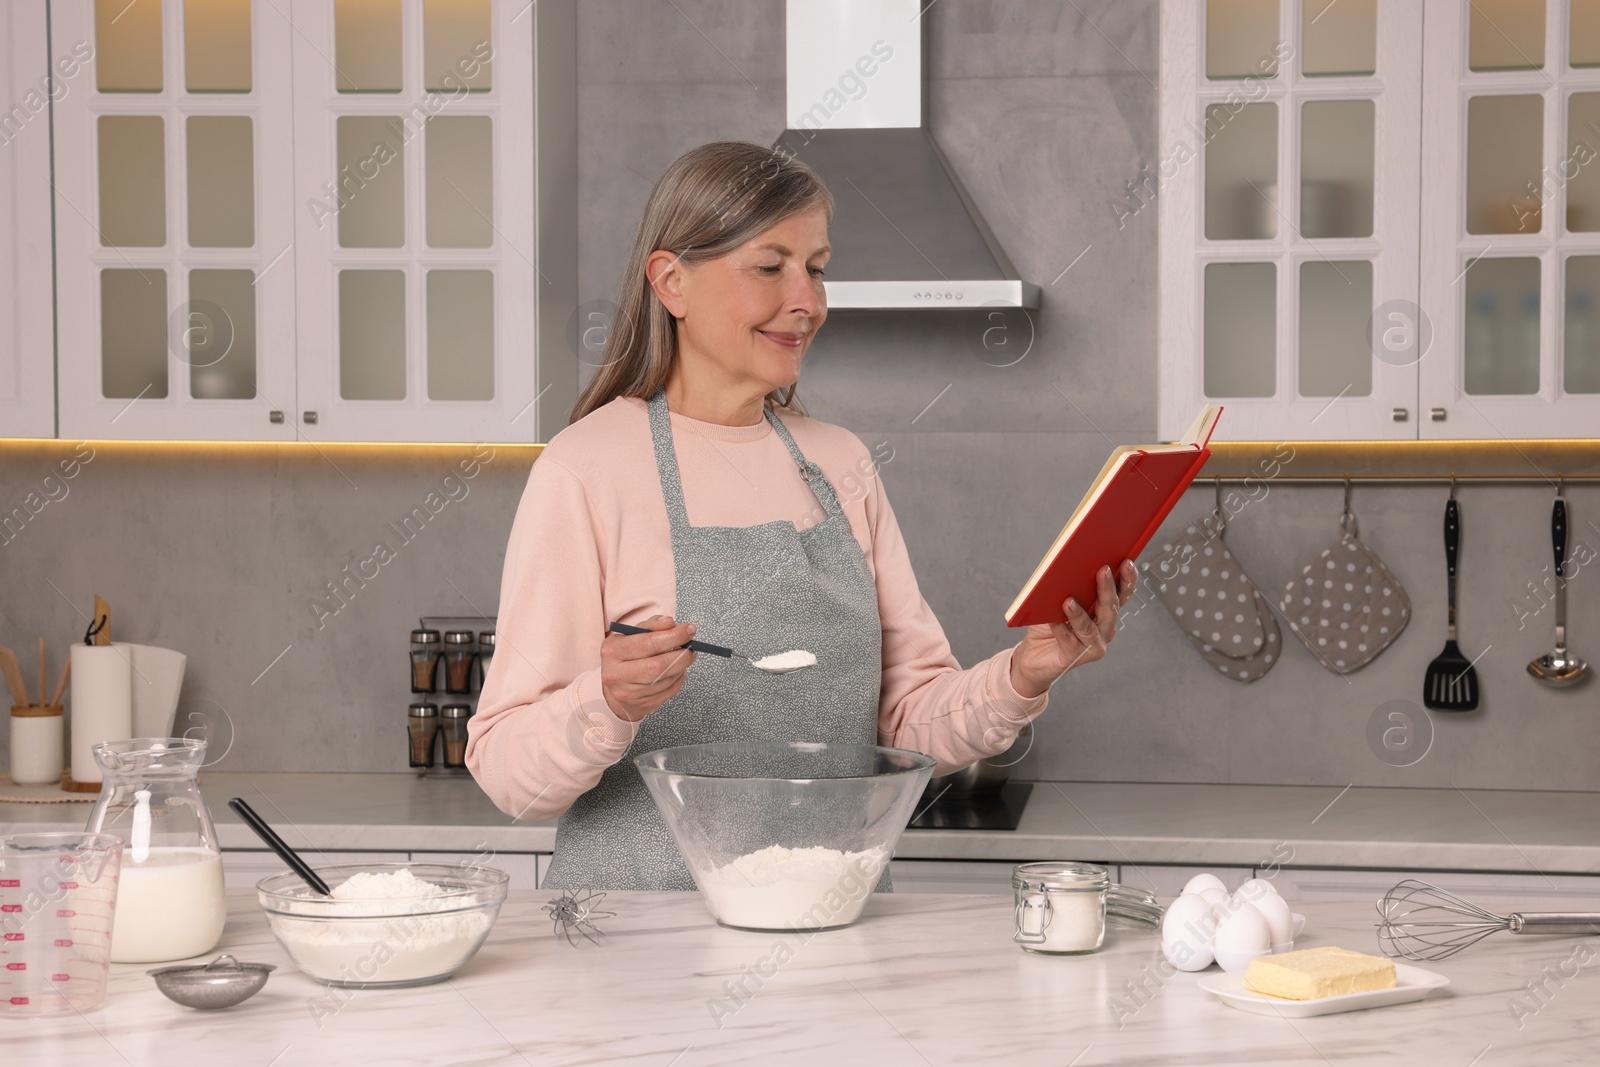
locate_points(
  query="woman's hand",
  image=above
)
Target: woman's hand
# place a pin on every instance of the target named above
(641, 672)
(1051, 650)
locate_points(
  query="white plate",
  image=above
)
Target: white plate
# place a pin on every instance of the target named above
(1411, 984)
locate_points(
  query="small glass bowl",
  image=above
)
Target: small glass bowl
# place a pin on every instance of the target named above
(384, 943)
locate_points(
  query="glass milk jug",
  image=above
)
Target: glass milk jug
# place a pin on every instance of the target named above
(170, 899)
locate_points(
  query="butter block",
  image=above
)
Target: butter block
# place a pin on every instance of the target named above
(1313, 973)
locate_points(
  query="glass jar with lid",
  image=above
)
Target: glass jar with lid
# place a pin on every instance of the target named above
(425, 653)
(422, 729)
(1060, 907)
(459, 652)
(453, 725)
(485, 655)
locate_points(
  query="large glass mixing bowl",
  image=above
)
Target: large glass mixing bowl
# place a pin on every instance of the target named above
(785, 835)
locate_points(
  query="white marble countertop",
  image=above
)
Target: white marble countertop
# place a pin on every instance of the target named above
(920, 980)
(1119, 822)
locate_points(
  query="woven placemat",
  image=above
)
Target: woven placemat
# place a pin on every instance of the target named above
(49, 793)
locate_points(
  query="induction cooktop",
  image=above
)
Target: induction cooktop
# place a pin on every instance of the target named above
(1000, 810)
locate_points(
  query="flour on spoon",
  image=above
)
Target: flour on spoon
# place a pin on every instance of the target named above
(786, 661)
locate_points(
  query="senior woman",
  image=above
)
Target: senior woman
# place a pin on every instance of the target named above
(690, 494)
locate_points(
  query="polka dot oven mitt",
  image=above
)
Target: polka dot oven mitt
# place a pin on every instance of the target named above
(1345, 606)
(1219, 609)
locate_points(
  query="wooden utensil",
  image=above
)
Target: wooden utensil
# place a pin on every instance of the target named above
(61, 686)
(102, 610)
(13, 673)
(1451, 684)
(42, 682)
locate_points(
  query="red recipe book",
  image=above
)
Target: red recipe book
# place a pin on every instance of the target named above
(1119, 514)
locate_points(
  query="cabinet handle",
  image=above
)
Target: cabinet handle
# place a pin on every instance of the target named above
(275, 416)
(1401, 414)
(1437, 414)
(311, 417)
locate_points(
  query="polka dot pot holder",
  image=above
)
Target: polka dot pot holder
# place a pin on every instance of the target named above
(1345, 605)
(1218, 608)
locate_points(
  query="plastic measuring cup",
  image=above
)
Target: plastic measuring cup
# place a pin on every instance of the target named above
(58, 893)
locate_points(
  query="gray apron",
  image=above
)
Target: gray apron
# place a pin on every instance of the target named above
(761, 589)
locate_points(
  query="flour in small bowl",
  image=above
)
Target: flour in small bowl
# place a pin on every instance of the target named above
(781, 888)
(381, 928)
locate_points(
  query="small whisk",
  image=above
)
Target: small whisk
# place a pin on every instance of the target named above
(1420, 921)
(570, 911)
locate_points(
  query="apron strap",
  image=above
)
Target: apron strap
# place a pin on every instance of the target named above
(821, 488)
(672, 482)
(667, 462)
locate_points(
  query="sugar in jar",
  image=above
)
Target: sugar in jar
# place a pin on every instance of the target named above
(1060, 906)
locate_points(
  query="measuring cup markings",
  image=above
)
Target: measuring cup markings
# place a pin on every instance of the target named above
(56, 900)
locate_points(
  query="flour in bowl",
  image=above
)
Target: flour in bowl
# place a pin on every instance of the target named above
(381, 928)
(780, 888)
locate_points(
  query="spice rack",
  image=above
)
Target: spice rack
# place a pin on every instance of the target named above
(448, 659)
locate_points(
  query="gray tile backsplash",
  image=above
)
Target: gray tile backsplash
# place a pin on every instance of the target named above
(1046, 111)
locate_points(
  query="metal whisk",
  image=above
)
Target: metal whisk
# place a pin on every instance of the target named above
(1420, 921)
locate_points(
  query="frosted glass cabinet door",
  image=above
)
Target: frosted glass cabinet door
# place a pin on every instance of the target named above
(1507, 264)
(416, 292)
(1289, 190)
(27, 371)
(174, 232)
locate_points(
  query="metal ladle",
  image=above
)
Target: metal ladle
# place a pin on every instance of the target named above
(1560, 668)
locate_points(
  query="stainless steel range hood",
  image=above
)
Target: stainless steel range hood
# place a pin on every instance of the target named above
(905, 232)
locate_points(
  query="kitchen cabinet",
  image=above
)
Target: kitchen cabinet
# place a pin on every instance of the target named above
(312, 221)
(953, 876)
(1497, 892)
(27, 332)
(1167, 882)
(1511, 227)
(1353, 245)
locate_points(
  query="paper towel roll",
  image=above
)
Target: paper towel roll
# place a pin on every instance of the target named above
(157, 679)
(102, 703)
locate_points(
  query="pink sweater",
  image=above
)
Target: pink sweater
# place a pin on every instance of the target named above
(591, 545)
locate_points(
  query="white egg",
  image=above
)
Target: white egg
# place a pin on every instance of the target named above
(1217, 898)
(1186, 931)
(1242, 936)
(1244, 930)
(1206, 880)
(1255, 889)
(1279, 918)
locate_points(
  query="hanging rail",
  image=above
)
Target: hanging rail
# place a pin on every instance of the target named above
(1547, 481)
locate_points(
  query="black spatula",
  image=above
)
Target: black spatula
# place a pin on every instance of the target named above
(1451, 683)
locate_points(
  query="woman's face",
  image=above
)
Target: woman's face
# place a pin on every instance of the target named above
(748, 317)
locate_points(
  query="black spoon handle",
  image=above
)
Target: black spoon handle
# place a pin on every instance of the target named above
(276, 843)
(1558, 535)
(693, 646)
(1452, 548)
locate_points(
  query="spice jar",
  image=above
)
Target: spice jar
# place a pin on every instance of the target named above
(485, 654)
(424, 661)
(458, 655)
(422, 726)
(37, 756)
(453, 724)
(1060, 907)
